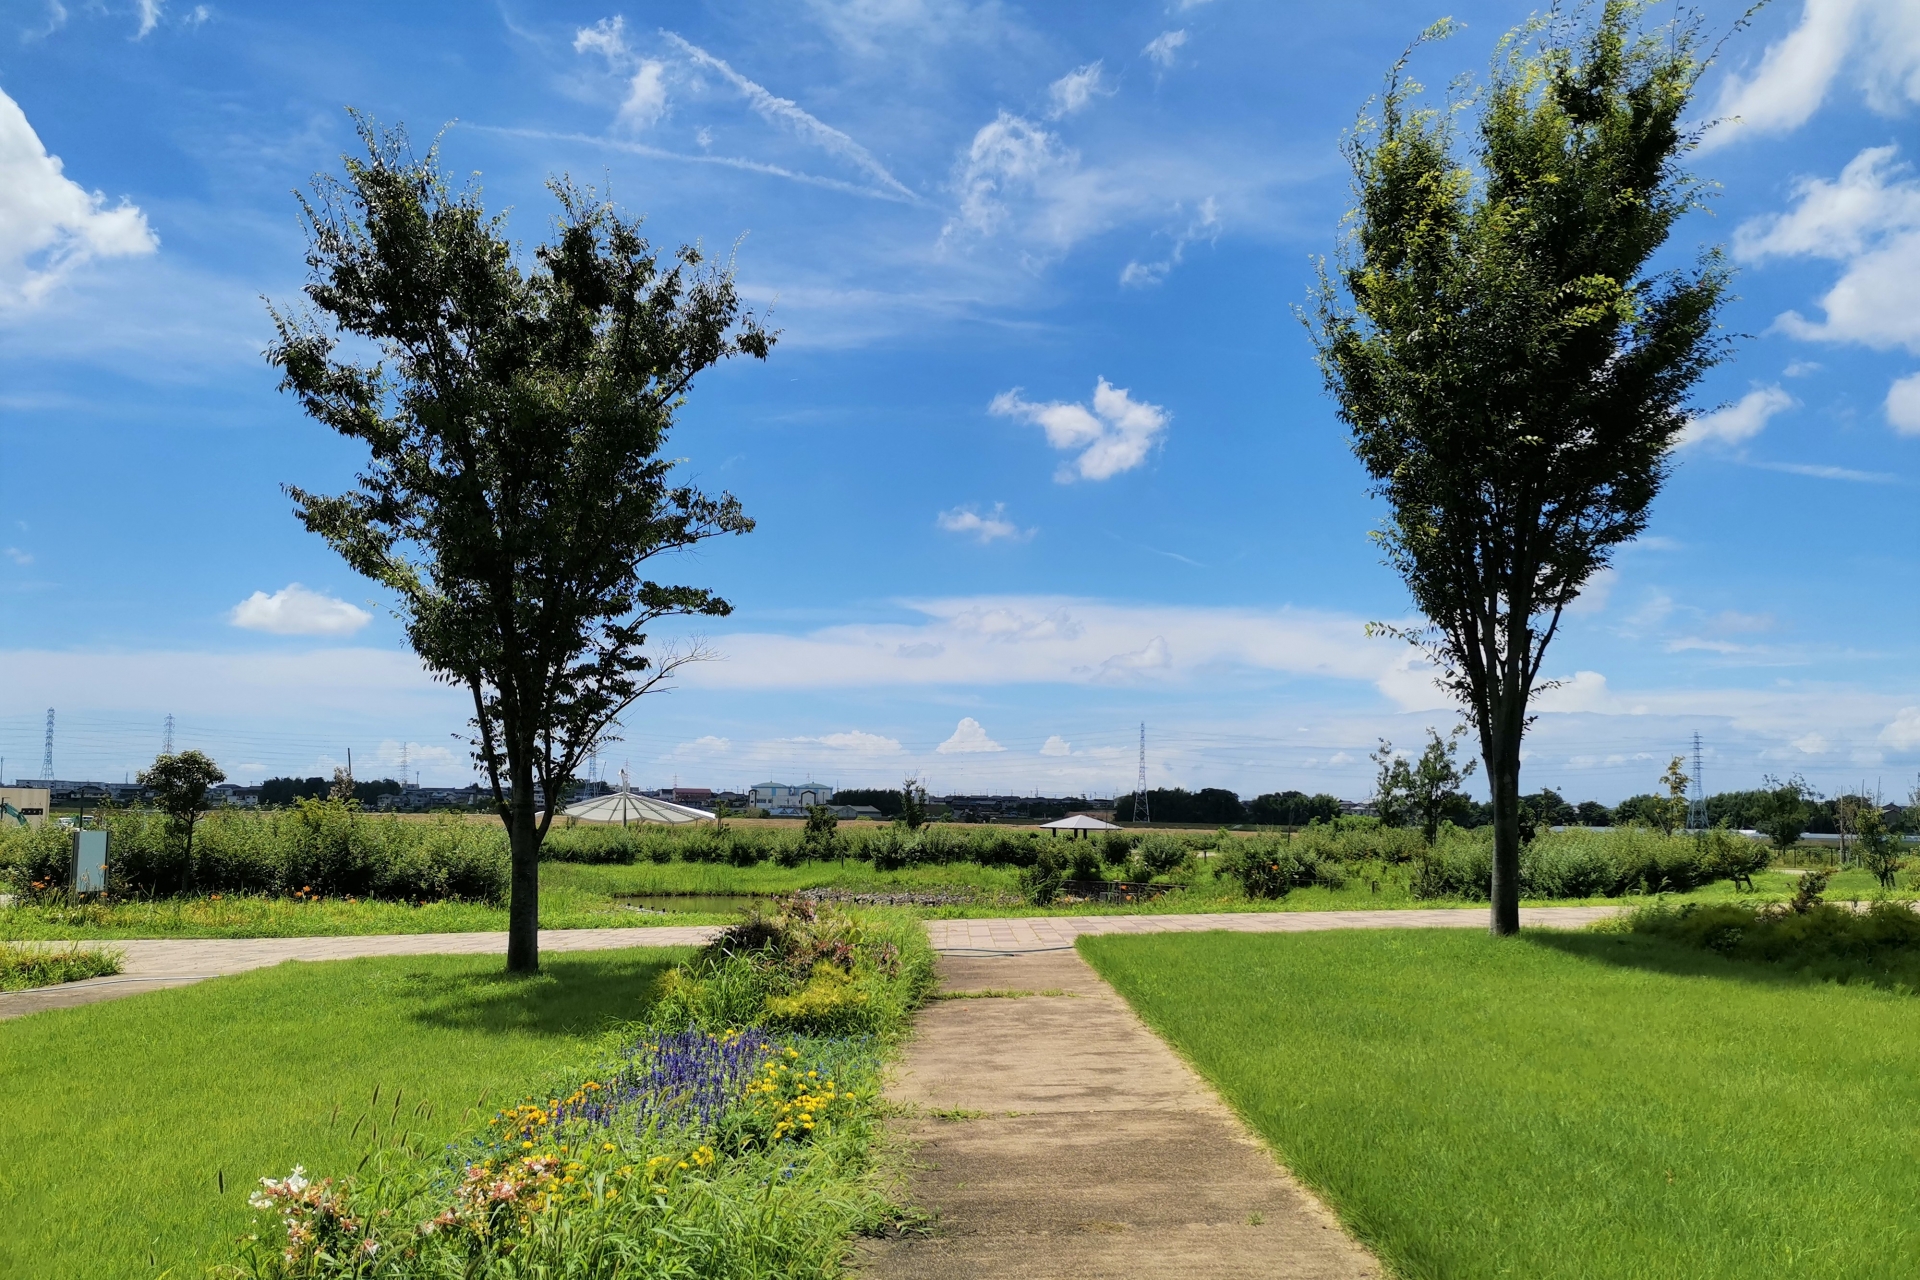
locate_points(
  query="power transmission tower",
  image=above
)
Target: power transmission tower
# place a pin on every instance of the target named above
(403, 766)
(1142, 811)
(46, 759)
(1697, 807)
(166, 746)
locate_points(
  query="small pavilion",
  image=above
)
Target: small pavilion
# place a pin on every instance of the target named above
(627, 807)
(1078, 825)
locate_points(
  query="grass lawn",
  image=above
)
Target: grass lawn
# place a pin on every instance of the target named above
(1561, 1105)
(122, 1118)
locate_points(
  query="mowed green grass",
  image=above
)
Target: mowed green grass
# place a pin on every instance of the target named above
(119, 1120)
(1559, 1105)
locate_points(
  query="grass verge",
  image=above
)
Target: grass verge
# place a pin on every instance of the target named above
(125, 1120)
(1590, 1105)
(23, 967)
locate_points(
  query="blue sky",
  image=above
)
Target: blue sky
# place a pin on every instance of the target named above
(1041, 453)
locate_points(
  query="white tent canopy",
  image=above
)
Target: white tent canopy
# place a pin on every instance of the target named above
(626, 807)
(1079, 822)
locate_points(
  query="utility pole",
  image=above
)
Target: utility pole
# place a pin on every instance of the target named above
(1142, 811)
(1697, 808)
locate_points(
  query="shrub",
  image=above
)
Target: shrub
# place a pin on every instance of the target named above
(319, 847)
(1161, 854)
(1881, 944)
(1040, 883)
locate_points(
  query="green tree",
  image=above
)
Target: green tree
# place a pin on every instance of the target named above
(1513, 370)
(822, 836)
(1783, 814)
(1670, 811)
(913, 804)
(515, 417)
(1879, 848)
(1423, 793)
(178, 784)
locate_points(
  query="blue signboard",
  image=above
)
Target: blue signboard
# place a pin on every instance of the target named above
(89, 862)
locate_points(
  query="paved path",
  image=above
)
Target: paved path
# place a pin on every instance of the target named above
(1053, 933)
(154, 963)
(1075, 1144)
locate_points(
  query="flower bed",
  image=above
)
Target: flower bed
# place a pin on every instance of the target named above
(689, 1148)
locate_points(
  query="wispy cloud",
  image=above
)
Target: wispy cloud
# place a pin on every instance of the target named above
(790, 115)
(1164, 47)
(1821, 472)
(1073, 91)
(1206, 226)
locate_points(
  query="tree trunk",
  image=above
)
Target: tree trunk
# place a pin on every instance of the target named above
(1503, 779)
(523, 911)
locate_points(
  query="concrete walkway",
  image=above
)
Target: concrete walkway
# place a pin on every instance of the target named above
(154, 963)
(1053, 933)
(1053, 1135)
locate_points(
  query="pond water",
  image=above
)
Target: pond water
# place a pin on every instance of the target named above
(706, 904)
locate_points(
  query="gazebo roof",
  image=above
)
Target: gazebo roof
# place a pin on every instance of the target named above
(1080, 822)
(626, 806)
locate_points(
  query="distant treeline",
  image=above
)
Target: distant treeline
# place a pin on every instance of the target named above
(284, 791)
(1214, 806)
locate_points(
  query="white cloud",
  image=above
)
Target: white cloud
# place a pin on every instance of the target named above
(49, 224)
(16, 555)
(1155, 655)
(1074, 90)
(607, 37)
(705, 745)
(1581, 691)
(1869, 220)
(985, 528)
(1594, 596)
(968, 738)
(1740, 421)
(1115, 436)
(1056, 746)
(1903, 732)
(1164, 46)
(987, 641)
(1812, 744)
(149, 11)
(1822, 471)
(1800, 368)
(855, 742)
(1204, 227)
(1903, 405)
(1798, 71)
(296, 611)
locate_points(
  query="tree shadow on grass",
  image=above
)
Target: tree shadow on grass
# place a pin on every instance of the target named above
(1660, 955)
(571, 995)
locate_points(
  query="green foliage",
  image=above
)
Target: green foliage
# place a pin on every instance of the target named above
(1426, 792)
(1822, 939)
(1176, 804)
(1783, 813)
(515, 418)
(1880, 851)
(1292, 809)
(913, 804)
(1513, 371)
(43, 966)
(319, 848)
(1269, 867)
(1040, 883)
(1578, 864)
(178, 784)
(1162, 855)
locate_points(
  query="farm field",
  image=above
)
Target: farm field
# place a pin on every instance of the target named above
(124, 1119)
(577, 896)
(1589, 1105)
